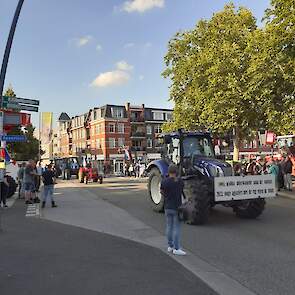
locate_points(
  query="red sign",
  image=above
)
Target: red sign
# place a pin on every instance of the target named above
(15, 119)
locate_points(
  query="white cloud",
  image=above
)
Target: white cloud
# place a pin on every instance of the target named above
(124, 66)
(112, 78)
(129, 45)
(141, 77)
(82, 41)
(142, 5)
(98, 47)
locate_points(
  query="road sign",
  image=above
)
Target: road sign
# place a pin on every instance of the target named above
(13, 138)
(18, 103)
(28, 108)
(21, 100)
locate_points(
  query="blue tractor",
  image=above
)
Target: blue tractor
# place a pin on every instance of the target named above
(194, 154)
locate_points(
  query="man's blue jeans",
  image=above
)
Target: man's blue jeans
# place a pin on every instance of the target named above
(48, 192)
(172, 228)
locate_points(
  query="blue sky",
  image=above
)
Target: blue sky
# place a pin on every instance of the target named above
(76, 54)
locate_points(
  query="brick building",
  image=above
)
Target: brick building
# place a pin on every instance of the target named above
(104, 132)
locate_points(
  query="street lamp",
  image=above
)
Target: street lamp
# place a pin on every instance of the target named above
(8, 48)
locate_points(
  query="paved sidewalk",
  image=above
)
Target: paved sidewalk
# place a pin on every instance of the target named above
(45, 257)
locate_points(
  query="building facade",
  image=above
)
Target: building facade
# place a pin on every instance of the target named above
(105, 133)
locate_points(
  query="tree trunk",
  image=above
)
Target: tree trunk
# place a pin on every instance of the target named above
(236, 146)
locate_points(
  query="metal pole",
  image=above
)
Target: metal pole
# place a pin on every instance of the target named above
(8, 47)
(4, 66)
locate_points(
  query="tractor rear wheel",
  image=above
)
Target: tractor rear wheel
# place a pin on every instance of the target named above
(200, 199)
(250, 209)
(154, 192)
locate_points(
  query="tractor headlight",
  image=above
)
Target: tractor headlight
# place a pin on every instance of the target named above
(216, 171)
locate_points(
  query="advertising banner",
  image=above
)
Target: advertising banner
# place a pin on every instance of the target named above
(46, 127)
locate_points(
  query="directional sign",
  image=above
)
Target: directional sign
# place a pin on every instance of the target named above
(21, 100)
(28, 108)
(13, 138)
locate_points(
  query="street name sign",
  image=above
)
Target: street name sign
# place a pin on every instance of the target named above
(13, 138)
(19, 103)
(28, 108)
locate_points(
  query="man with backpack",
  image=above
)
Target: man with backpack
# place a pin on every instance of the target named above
(172, 190)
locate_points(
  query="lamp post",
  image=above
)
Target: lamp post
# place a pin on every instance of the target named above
(3, 72)
(8, 47)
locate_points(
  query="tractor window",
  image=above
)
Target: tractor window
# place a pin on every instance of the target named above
(197, 146)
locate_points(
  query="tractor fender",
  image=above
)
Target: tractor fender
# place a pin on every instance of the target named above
(161, 165)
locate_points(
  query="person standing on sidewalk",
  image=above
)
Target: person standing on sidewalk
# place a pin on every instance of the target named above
(48, 177)
(29, 183)
(20, 178)
(288, 173)
(172, 190)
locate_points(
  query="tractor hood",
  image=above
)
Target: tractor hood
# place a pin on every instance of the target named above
(213, 167)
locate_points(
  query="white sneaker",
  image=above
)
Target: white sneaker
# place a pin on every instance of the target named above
(179, 252)
(170, 249)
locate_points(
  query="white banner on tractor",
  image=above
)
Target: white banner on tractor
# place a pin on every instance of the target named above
(244, 187)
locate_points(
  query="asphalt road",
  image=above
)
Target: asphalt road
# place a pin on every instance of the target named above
(258, 253)
(44, 257)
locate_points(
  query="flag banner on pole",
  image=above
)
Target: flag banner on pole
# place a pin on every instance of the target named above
(46, 127)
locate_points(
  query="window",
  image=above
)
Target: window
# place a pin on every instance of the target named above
(149, 129)
(168, 116)
(112, 128)
(82, 133)
(117, 112)
(112, 143)
(98, 144)
(121, 128)
(94, 115)
(158, 116)
(97, 129)
(149, 143)
(121, 142)
(158, 129)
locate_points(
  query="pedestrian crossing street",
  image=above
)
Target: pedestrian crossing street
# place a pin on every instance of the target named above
(33, 210)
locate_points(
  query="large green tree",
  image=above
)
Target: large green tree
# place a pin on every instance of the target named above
(209, 69)
(273, 66)
(23, 150)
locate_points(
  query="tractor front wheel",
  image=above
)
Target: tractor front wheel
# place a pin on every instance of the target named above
(250, 209)
(200, 201)
(154, 192)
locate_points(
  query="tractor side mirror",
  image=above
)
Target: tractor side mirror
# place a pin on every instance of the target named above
(167, 139)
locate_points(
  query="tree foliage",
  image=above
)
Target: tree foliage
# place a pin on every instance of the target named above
(209, 67)
(274, 66)
(227, 74)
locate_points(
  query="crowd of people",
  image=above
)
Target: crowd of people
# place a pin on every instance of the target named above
(135, 169)
(29, 177)
(281, 168)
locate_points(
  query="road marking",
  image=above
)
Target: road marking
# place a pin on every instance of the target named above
(33, 210)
